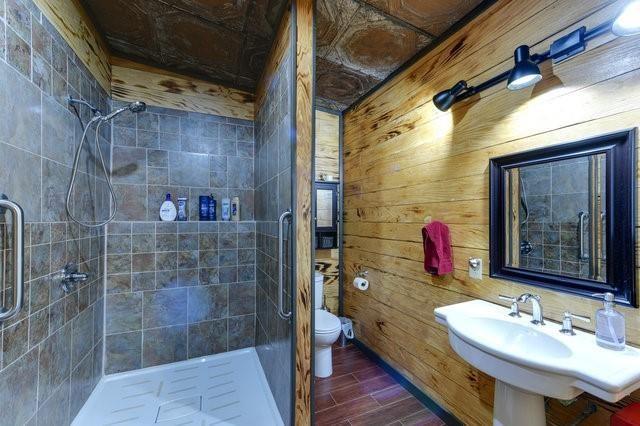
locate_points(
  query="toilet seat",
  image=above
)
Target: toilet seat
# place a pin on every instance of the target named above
(326, 322)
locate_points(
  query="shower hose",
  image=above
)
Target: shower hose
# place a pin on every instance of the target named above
(85, 129)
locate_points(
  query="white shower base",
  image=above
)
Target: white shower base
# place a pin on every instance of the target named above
(223, 389)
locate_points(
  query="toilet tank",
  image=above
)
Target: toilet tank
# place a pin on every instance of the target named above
(318, 288)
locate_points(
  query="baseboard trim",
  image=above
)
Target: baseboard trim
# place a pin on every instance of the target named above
(446, 416)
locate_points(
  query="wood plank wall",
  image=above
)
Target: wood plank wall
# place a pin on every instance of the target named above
(304, 21)
(327, 145)
(73, 23)
(405, 160)
(327, 263)
(132, 81)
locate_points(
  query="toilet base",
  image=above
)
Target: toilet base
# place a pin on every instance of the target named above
(323, 363)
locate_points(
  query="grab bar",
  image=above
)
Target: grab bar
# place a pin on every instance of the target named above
(581, 217)
(281, 313)
(18, 259)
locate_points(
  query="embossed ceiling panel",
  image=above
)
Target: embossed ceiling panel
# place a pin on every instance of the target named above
(431, 16)
(224, 41)
(359, 42)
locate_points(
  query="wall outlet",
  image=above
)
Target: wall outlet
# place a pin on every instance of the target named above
(475, 269)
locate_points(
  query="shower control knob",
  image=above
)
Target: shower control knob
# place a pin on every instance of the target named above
(69, 276)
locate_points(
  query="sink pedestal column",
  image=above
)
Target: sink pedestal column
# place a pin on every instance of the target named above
(513, 406)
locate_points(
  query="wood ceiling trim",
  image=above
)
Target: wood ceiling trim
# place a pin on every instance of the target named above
(71, 20)
(133, 81)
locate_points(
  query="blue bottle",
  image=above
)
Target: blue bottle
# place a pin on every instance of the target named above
(212, 208)
(204, 202)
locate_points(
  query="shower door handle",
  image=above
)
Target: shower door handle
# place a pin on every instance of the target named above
(581, 217)
(18, 260)
(281, 219)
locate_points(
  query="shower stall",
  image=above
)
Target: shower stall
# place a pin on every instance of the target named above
(111, 316)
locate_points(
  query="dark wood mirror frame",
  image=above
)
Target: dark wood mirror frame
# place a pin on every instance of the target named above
(619, 148)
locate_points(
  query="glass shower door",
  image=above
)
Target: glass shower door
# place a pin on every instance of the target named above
(274, 151)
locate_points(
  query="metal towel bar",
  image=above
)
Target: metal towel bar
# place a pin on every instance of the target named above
(281, 219)
(18, 260)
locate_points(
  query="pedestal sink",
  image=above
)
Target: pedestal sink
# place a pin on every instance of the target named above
(531, 361)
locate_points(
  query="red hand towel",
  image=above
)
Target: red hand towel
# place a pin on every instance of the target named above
(437, 248)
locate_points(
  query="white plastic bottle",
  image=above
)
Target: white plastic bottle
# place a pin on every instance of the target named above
(168, 210)
(610, 331)
(235, 209)
(226, 209)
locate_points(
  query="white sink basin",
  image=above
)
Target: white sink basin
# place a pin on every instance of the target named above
(531, 361)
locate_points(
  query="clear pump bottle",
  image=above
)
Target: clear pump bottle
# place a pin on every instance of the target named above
(610, 330)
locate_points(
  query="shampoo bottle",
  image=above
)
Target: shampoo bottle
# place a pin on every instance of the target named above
(168, 210)
(226, 209)
(235, 209)
(610, 331)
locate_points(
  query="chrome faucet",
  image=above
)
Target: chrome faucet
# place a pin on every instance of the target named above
(536, 307)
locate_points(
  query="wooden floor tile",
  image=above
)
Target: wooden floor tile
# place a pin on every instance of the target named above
(388, 414)
(334, 382)
(422, 418)
(357, 390)
(390, 395)
(369, 373)
(323, 401)
(338, 413)
(360, 392)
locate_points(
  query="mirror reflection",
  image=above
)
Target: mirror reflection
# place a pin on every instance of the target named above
(556, 217)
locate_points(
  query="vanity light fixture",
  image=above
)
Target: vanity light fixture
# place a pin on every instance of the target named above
(446, 98)
(526, 72)
(628, 22)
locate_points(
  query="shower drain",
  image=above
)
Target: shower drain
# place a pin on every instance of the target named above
(179, 408)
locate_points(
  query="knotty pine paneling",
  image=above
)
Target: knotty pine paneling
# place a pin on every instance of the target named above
(303, 228)
(327, 263)
(133, 81)
(405, 161)
(327, 145)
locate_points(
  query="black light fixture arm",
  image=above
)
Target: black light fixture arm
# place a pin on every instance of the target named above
(561, 49)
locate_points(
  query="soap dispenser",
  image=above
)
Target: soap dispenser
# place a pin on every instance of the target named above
(610, 330)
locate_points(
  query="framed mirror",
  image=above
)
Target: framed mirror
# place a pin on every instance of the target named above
(563, 217)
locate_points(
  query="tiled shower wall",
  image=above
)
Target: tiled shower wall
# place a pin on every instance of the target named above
(52, 352)
(179, 290)
(556, 193)
(273, 196)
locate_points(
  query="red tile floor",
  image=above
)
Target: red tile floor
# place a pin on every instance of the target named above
(359, 392)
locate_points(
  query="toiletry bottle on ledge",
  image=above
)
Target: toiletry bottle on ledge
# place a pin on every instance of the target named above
(226, 209)
(168, 210)
(183, 215)
(235, 209)
(610, 331)
(203, 207)
(212, 207)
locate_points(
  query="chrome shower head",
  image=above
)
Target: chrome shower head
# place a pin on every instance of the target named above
(137, 106)
(134, 107)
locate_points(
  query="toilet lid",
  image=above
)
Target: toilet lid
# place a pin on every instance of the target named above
(326, 322)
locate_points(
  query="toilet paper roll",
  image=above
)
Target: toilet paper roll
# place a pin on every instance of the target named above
(361, 283)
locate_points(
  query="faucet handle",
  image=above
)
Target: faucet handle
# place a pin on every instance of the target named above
(515, 309)
(567, 324)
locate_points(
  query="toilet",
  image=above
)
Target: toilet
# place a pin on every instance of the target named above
(327, 331)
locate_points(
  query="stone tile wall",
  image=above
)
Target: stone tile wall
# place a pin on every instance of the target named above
(186, 154)
(273, 196)
(51, 354)
(556, 193)
(178, 290)
(182, 289)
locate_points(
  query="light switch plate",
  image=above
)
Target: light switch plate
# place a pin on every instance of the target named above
(475, 272)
